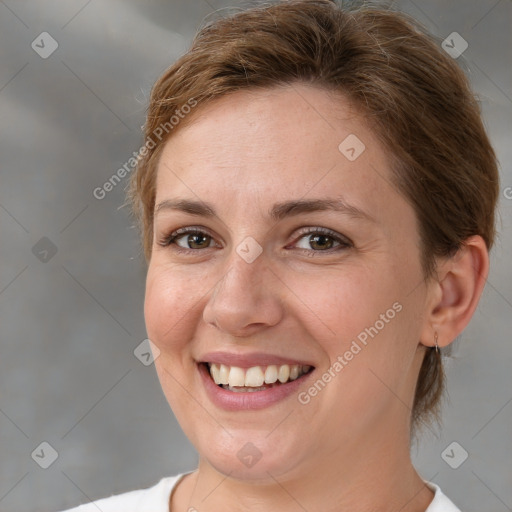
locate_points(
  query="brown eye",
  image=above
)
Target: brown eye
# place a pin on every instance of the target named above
(188, 239)
(322, 240)
(195, 240)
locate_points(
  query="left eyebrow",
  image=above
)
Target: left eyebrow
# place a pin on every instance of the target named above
(289, 208)
(278, 211)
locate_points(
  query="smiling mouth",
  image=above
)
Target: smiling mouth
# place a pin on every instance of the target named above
(255, 378)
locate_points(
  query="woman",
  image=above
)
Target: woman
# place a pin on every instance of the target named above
(316, 194)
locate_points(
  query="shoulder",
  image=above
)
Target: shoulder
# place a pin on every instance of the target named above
(151, 499)
(440, 503)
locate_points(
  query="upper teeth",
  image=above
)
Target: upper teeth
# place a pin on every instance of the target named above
(256, 375)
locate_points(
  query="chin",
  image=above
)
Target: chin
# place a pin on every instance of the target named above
(249, 455)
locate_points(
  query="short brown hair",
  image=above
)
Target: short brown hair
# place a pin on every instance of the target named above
(415, 97)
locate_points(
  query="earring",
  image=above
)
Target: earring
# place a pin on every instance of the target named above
(435, 341)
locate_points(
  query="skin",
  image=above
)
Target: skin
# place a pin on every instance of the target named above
(348, 448)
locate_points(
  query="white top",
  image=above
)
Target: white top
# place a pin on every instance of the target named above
(156, 499)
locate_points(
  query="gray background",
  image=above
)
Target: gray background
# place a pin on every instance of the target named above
(69, 325)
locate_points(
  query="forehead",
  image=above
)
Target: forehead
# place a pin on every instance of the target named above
(289, 141)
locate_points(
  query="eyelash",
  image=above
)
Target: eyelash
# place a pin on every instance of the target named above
(168, 240)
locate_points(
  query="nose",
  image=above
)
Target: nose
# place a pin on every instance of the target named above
(246, 299)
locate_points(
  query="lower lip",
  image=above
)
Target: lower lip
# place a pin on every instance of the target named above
(233, 401)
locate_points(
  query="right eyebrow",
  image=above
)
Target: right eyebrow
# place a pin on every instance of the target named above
(199, 208)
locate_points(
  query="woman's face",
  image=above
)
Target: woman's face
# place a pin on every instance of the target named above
(265, 283)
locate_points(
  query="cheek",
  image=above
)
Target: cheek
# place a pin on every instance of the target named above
(363, 315)
(341, 303)
(169, 307)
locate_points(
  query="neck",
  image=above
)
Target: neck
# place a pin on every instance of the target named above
(359, 476)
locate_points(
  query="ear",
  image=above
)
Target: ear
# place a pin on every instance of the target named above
(455, 291)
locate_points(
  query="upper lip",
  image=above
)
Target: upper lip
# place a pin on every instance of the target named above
(249, 360)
